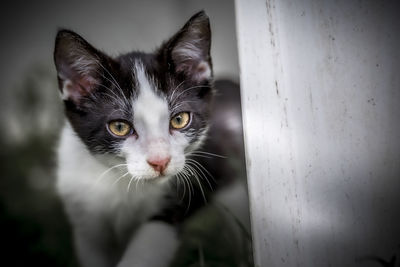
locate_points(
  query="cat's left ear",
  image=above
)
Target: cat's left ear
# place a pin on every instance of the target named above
(78, 65)
(188, 51)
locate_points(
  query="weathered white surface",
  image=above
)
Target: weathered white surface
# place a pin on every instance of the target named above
(321, 107)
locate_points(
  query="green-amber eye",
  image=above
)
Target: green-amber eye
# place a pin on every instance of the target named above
(119, 128)
(180, 120)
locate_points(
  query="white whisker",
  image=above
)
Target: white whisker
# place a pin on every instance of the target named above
(201, 171)
(174, 108)
(188, 173)
(112, 77)
(202, 167)
(174, 90)
(196, 174)
(119, 178)
(129, 184)
(187, 89)
(187, 180)
(201, 156)
(101, 176)
(208, 153)
(179, 177)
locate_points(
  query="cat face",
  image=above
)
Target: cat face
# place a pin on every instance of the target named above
(147, 109)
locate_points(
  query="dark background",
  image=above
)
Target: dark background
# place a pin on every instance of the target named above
(33, 227)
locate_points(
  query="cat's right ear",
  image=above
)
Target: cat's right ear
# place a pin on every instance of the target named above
(188, 51)
(78, 66)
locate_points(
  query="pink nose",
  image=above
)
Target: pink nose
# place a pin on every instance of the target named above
(159, 164)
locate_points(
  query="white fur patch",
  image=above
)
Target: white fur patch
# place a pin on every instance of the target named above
(153, 137)
(65, 93)
(86, 185)
(90, 181)
(85, 65)
(190, 52)
(151, 113)
(203, 71)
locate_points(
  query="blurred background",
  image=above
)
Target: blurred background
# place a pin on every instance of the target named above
(33, 227)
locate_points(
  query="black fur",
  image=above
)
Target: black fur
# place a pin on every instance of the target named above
(92, 105)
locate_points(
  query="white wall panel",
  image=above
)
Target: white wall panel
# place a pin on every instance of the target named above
(321, 108)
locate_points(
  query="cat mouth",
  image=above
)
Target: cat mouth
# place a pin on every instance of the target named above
(158, 178)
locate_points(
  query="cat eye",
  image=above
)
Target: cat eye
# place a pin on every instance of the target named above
(180, 120)
(119, 128)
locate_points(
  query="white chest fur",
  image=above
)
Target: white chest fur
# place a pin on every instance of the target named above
(90, 191)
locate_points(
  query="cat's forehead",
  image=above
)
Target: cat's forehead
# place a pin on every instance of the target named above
(137, 69)
(150, 105)
(145, 79)
(151, 78)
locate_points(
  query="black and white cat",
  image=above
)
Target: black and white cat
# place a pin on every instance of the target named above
(127, 167)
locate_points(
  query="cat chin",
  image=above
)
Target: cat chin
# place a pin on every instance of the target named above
(157, 178)
(161, 179)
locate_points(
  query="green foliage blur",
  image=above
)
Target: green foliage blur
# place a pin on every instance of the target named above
(33, 226)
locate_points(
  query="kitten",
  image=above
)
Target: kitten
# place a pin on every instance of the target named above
(127, 173)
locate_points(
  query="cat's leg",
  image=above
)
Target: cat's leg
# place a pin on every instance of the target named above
(92, 247)
(234, 200)
(233, 203)
(153, 245)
